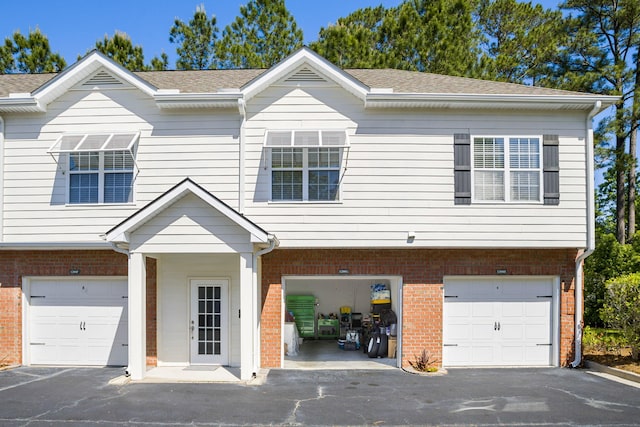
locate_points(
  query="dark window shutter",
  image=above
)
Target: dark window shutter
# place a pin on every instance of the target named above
(551, 169)
(462, 168)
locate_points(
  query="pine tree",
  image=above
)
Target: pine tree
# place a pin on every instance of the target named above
(520, 39)
(7, 61)
(196, 41)
(120, 48)
(160, 63)
(263, 34)
(437, 36)
(30, 54)
(354, 41)
(604, 37)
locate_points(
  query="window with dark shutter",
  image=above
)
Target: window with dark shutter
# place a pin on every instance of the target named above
(551, 169)
(462, 168)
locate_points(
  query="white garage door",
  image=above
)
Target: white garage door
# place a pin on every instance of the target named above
(498, 322)
(78, 322)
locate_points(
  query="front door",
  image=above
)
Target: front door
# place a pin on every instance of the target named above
(209, 321)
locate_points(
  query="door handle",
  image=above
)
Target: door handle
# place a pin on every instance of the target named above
(83, 326)
(498, 325)
(495, 326)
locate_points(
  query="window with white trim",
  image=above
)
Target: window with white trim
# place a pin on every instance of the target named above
(100, 167)
(507, 169)
(305, 165)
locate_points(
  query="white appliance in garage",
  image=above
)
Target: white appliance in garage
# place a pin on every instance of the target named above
(499, 322)
(76, 321)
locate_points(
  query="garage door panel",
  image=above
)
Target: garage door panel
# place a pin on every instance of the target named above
(513, 354)
(539, 333)
(482, 310)
(459, 332)
(481, 332)
(539, 308)
(78, 322)
(512, 332)
(510, 322)
(513, 309)
(459, 309)
(482, 355)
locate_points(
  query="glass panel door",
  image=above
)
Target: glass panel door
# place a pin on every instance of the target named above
(209, 322)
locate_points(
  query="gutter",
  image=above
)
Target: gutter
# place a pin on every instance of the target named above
(37, 246)
(118, 249)
(273, 243)
(591, 239)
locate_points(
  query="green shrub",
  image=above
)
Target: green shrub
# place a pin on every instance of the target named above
(603, 340)
(621, 309)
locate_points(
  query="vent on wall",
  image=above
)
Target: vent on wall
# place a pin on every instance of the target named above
(305, 75)
(102, 79)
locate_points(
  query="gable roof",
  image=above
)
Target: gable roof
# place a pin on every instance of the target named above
(223, 88)
(120, 233)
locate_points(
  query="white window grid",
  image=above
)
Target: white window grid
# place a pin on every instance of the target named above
(326, 146)
(502, 175)
(100, 163)
(329, 160)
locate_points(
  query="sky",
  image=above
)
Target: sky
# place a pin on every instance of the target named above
(74, 26)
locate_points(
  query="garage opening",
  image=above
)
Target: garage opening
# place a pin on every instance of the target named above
(341, 322)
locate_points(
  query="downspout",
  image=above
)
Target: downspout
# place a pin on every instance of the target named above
(591, 238)
(273, 243)
(242, 107)
(1, 179)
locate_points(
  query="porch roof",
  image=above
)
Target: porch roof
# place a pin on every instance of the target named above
(120, 234)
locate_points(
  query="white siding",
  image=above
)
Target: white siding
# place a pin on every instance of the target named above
(399, 177)
(190, 226)
(202, 145)
(174, 272)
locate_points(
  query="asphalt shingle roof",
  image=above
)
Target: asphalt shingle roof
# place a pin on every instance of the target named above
(207, 81)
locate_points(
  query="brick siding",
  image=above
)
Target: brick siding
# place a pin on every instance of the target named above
(14, 265)
(422, 271)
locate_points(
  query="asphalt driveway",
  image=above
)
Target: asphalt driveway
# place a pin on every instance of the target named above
(83, 397)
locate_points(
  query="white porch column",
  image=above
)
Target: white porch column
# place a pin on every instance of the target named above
(137, 316)
(247, 313)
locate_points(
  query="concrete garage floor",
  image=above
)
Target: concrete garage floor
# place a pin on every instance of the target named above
(325, 354)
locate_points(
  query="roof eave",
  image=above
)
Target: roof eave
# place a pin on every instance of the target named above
(21, 105)
(197, 100)
(488, 101)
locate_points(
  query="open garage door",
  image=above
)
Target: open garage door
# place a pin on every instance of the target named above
(77, 322)
(323, 326)
(499, 322)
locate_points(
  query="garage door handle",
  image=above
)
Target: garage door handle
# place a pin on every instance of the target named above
(496, 326)
(450, 345)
